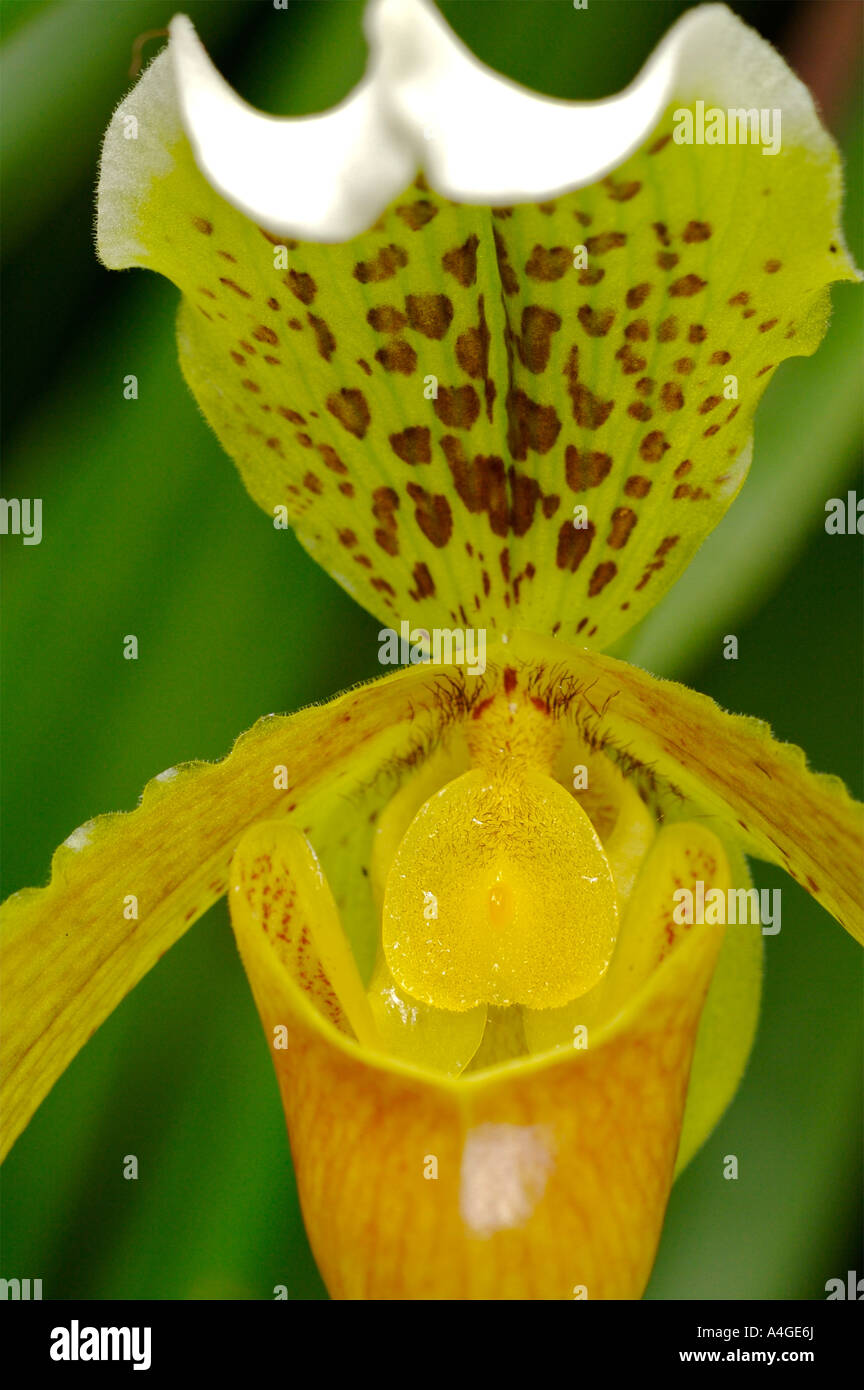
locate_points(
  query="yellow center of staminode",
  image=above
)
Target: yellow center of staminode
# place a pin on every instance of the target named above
(499, 893)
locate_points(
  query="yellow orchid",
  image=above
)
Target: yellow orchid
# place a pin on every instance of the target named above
(495, 358)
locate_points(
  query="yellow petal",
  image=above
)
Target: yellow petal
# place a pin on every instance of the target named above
(283, 900)
(546, 1179)
(681, 857)
(728, 766)
(71, 951)
(534, 412)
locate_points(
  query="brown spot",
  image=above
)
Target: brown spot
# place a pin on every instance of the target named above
(535, 342)
(606, 241)
(351, 410)
(621, 192)
(432, 515)
(429, 314)
(273, 361)
(551, 503)
(524, 494)
(742, 297)
(385, 502)
(586, 468)
(461, 262)
(250, 385)
(683, 468)
(588, 410)
(202, 225)
(666, 260)
(712, 429)
(202, 289)
(272, 303)
(637, 296)
(631, 363)
(667, 330)
(472, 350)
(293, 415)
(595, 322)
(386, 318)
(583, 218)
(653, 447)
(383, 586)
(347, 538)
(574, 542)
(347, 489)
(600, 578)
(771, 267)
(639, 410)
(591, 277)
(638, 331)
(661, 231)
(331, 458)
(226, 256)
(304, 440)
(671, 396)
(645, 385)
(301, 285)
(637, 486)
(412, 445)
(505, 269)
(296, 325)
(416, 215)
(659, 144)
(397, 356)
(685, 287)
(531, 425)
(763, 370)
(457, 407)
(275, 444)
(685, 365)
(324, 339)
(503, 213)
(767, 325)
(719, 358)
(481, 484)
(313, 483)
(364, 366)
(382, 266)
(548, 263)
(229, 284)
(696, 231)
(696, 333)
(425, 584)
(238, 358)
(710, 403)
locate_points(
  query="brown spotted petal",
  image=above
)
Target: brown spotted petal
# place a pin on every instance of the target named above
(528, 414)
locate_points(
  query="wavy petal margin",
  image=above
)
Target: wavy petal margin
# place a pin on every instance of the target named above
(527, 415)
(70, 952)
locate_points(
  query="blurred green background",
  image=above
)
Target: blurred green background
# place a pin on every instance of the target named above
(147, 530)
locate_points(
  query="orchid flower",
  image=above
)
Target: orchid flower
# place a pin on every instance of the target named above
(495, 358)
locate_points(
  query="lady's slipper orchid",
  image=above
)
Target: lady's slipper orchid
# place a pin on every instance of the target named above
(496, 359)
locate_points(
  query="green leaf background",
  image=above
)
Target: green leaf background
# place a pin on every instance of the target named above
(147, 530)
